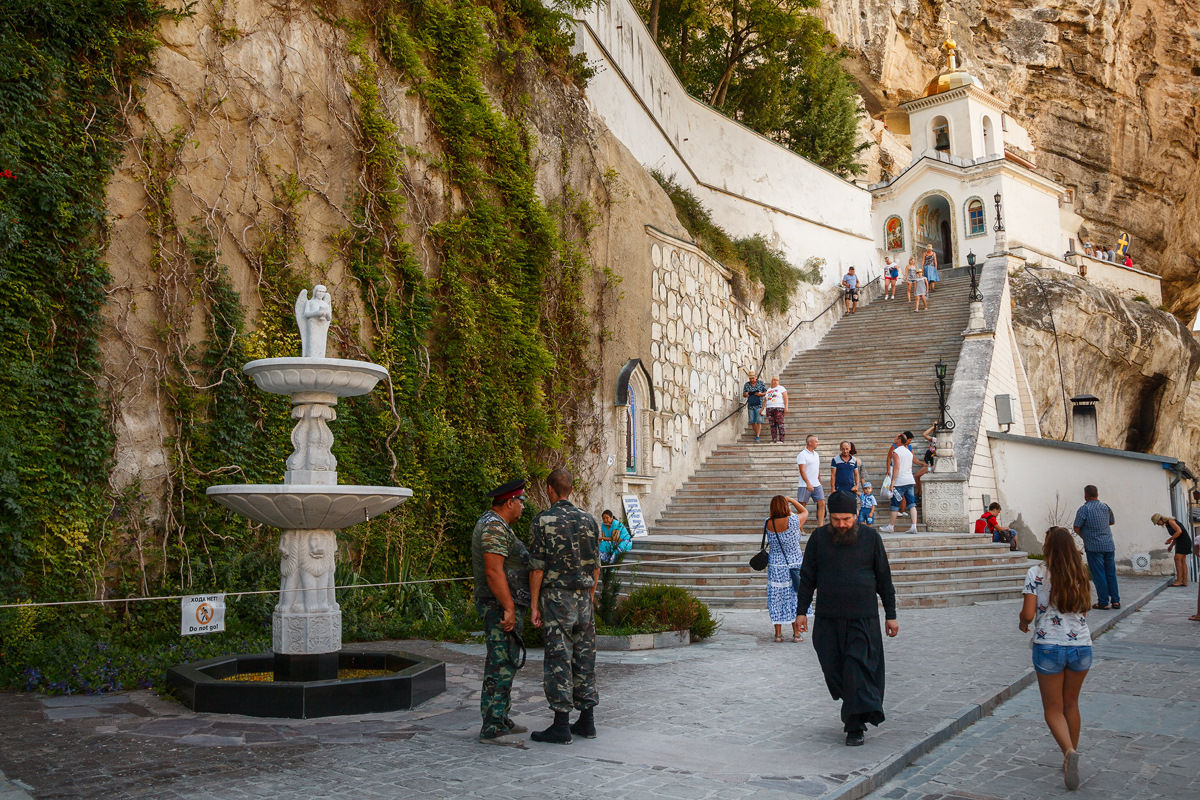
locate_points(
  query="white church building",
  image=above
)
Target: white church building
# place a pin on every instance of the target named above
(962, 179)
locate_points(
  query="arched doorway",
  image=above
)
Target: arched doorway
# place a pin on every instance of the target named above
(933, 224)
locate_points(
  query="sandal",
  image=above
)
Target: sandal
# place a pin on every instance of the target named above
(797, 637)
(779, 638)
(1116, 606)
(1195, 617)
(1177, 584)
(1099, 607)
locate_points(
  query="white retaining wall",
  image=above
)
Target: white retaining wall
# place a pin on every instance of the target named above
(750, 184)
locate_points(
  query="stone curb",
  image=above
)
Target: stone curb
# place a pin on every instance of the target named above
(883, 773)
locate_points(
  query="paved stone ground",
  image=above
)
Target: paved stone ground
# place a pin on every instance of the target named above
(1141, 725)
(737, 716)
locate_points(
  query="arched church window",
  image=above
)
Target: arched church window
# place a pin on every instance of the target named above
(635, 404)
(893, 234)
(941, 134)
(976, 223)
(989, 137)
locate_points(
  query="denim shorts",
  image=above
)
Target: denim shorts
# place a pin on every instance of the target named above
(804, 495)
(1051, 659)
(909, 493)
(756, 415)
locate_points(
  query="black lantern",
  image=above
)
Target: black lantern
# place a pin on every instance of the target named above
(999, 226)
(945, 423)
(975, 295)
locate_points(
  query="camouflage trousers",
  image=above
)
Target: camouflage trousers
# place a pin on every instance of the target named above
(569, 629)
(499, 668)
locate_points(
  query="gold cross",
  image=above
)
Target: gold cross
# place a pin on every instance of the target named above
(1123, 243)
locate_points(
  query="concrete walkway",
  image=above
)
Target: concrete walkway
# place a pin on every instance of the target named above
(1141, 725)
(738, 716)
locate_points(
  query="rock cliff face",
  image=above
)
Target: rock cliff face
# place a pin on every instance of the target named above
(1108, 89)
(1141, 362)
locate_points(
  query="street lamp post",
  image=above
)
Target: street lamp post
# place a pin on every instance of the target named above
(975, 296)
(998, 227)
(944, 460)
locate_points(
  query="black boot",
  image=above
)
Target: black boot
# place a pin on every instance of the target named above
(585, 727)
(558, 733)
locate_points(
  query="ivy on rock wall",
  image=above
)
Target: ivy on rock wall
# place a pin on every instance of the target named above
(486, 336)
(65, 65)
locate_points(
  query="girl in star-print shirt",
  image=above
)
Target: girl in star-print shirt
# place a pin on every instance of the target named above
(1057, 597)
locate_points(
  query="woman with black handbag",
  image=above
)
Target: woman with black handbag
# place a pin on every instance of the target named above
(783, 532)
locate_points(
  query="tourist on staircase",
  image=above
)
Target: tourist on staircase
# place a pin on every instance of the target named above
(785, 555)
(777, 406)
(808, 464)
(844, 469)
(754, 390)
(866, 511)
(929, 263)
(921, 291)
(850, 284)
(989, 522)
(890, 273)
(614, 538)
(910, 277)
(903, 485)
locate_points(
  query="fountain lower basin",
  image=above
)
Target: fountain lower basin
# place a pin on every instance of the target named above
(206, 686)
(299, 506)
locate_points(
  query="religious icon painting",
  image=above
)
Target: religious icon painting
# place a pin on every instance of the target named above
(894, 233)
(1123, 244)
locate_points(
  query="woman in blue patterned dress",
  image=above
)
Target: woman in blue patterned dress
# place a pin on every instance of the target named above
(785, 554)
(929, 262)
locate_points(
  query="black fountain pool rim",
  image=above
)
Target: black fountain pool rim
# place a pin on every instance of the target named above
(412, 680)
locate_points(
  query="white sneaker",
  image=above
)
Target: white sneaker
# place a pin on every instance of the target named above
(913, 529)
(887, 529)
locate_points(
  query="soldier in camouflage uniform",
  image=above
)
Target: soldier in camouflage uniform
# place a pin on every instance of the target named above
(564, 562)
(495, 551)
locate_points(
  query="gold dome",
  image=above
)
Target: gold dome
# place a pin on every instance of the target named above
(954, 76)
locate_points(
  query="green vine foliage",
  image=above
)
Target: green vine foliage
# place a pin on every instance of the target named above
(65, 64)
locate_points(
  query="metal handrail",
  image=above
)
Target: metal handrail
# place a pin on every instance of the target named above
(768, 353)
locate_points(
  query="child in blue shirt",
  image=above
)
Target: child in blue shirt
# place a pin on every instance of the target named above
(866, 512)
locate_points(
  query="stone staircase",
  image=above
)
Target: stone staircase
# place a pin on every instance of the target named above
(840, 389)
(928, 570)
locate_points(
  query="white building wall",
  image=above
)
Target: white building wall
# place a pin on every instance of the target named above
(1032, 217)
(1041, 484)
(750, 184)
(1003, 378)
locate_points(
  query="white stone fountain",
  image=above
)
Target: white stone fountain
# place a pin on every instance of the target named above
(309, 506)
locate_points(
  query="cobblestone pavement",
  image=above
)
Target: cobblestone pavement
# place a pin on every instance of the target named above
(734, 717)
(1141, 725)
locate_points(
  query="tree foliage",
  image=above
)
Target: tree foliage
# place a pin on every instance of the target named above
(768, 64)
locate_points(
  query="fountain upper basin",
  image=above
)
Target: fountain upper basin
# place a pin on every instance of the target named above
(336, 376)
(306, 507)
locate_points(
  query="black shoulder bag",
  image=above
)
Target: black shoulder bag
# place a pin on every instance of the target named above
(758, 562)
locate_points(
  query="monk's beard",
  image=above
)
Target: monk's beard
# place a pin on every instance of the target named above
(845, 536)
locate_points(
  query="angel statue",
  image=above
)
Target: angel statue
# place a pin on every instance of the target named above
(313, 316)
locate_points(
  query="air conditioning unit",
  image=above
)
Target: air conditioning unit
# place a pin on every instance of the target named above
(1141, 562)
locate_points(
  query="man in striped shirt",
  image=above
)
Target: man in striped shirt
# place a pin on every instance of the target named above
(1093, 523)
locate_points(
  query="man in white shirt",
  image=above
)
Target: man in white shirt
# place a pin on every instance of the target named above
(850, 284)
(808, 464)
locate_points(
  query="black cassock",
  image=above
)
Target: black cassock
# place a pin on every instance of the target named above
(846, 635)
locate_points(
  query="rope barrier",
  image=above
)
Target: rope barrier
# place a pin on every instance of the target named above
(238, 595)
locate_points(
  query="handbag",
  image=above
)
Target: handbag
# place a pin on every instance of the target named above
(758, 562)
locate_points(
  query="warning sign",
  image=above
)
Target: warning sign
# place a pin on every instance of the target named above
(203, 613)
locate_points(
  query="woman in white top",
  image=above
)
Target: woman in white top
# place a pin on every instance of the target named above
(1057, 597)
(777, 406)
(903, 485)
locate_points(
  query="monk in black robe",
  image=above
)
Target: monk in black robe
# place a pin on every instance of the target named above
(846, 565)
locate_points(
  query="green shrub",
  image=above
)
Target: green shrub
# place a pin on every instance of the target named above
(672, 607)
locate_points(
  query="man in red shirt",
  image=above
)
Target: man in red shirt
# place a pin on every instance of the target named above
(990, 523)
